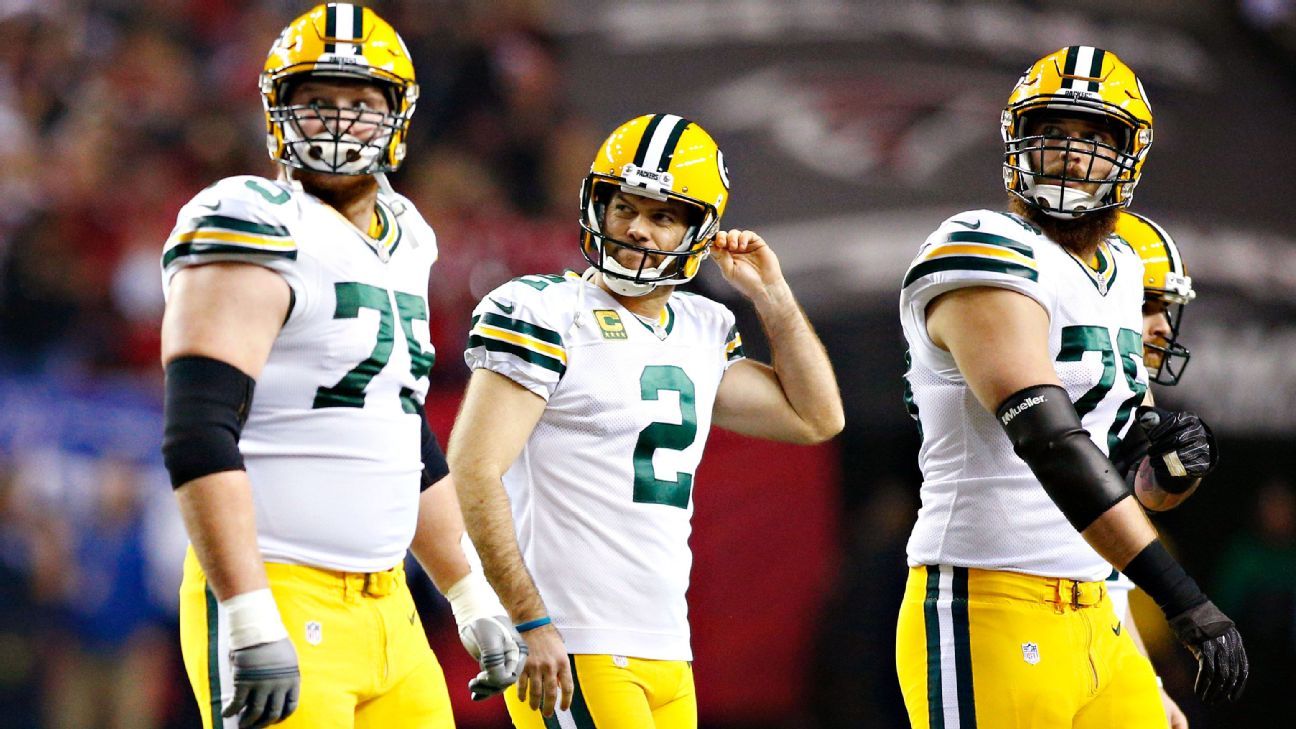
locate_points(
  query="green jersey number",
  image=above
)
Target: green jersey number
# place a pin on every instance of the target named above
(1078, 339)
(349, 392)
(648, 489)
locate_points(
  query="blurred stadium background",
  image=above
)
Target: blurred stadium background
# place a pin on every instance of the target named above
(851, 128)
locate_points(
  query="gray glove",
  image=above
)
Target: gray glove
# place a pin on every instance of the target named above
(266, 684)
(500, 652)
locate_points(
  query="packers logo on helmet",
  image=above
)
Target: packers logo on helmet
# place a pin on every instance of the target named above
(1084, 82)
(663, 157)
(338, 40)
(1165, 281)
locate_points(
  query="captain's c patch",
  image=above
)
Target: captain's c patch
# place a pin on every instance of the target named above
(610, 324)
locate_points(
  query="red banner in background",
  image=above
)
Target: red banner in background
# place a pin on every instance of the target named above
(765, 550)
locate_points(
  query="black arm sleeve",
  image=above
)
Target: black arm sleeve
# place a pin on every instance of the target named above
(207, 403)
(435, 467)
(1046, 433)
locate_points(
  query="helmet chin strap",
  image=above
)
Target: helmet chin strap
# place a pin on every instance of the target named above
(624, 286)
(1064, 202)
(329, 154)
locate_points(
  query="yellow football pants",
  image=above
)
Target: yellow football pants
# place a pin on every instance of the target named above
(1003, 650)
(365, 662)
(615, 692)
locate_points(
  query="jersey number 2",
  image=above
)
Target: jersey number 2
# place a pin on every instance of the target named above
(349, 392)
(648, 489)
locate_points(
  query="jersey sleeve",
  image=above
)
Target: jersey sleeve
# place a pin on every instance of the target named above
(975, 248)
(239, 219)
(516, 335)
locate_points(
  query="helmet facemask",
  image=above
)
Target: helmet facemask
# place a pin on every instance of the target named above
(335, 149)
(1166, 361)
(674, 266)
(1050, 192)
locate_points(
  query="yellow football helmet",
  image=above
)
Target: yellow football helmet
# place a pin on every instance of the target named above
(1084, 82)
(664, 157)
(346, 41)
(1165, 280)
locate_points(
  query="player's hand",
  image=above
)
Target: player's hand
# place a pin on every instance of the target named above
(546, 681)
(500, 652)
(1216, 644)
(1174, 715)
(746, 262)
(266, 684)
(1181, 448)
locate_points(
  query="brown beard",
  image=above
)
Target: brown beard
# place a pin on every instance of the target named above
(1079, 235)
(340, 191)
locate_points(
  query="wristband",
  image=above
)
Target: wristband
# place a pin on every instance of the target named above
(471, 598)
(1164, 580)
(532, 624)
(1160, 683)
(253, 619)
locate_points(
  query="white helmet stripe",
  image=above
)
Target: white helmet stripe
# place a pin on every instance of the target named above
(346, 28)
(1083, 69)
(657, 146)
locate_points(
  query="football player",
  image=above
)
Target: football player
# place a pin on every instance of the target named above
(296, 349)
(1181, 437)
(1025, 336)
(585, 419)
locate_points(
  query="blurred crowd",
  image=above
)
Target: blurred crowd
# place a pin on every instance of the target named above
(115, 112)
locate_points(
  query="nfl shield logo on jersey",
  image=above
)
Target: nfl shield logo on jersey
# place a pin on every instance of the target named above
(314, 632)
(1030, 653)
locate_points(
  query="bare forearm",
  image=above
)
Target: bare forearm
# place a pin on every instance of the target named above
(221, 521)
(436, 543)
(489, 522)
(1120, 533)
(800, 361)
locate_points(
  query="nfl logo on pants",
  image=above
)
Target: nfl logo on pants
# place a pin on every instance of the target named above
(1030, 653)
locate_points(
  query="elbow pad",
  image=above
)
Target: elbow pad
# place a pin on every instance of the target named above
(207, 403)
(1046, 433)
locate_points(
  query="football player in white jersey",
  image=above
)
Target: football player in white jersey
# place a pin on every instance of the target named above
(1026, 351)
(302, 498)
(586, 416)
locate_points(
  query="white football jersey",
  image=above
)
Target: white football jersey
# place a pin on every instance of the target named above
(602, 494)
(981, 505)
(332, 440)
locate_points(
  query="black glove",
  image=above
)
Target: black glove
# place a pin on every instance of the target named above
(266, 684)
(1216, 644)
(1180, 446)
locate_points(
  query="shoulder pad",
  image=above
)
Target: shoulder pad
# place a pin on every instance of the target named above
(238, 218)
(517, 331)
(979, 244)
